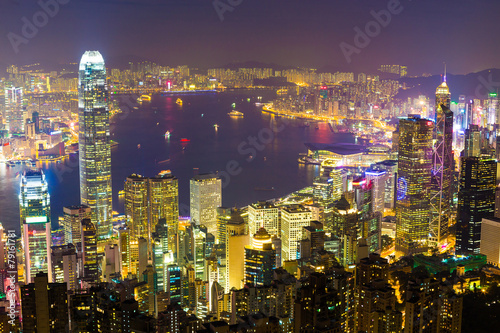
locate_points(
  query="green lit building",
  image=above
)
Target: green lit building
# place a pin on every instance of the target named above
(34, 204)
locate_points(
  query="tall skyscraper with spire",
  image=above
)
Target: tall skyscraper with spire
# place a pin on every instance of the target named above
(94, 141)
(442, 166)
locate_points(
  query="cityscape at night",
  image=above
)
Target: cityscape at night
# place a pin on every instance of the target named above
(224, 166)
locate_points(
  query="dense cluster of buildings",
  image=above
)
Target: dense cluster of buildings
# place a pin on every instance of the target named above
(313, 261)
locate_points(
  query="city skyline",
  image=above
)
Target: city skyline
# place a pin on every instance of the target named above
(155, 33)
(249, 166)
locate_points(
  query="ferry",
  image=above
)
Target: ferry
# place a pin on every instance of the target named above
(179, 101)
(264, 189)
(121, 193)
(235, 113)
(144, 98)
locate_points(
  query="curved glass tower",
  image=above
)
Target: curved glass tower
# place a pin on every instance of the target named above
(94, 141)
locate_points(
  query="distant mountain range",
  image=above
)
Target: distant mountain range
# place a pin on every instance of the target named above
(472, 85)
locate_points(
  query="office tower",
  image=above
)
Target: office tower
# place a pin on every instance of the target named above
(111, 262)
(199, 250)
(34, 204)
(336, 183)
(161, 256)
(89, 251)
(369, 222)
(164, 204)
(174, 283)
(472, 141)
(265, 215)
(149, 276)
(35, 119)
(136, 205)
(490, 240)
(476, 200)
(14, 110)
(443, 96)
(260, 259)
(235, 248)
(126, 252)
(391, 169)
(142, 258)
(65, 265)
(205, 197)
(73, 216)
(223, 216)
(293, 219)
(441, 193)
(493, 108)
(378, 179)
(313, 239)
(44, 305)
(94, 141)
(414, 180)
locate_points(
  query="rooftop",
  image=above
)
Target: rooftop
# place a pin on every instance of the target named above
(337, 148)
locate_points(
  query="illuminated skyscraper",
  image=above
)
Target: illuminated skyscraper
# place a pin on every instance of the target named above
(476, 200)
(34, 201)
(205, 197)
(293, 219)
(14, 110)
(260, 259)
(89, 251)
(263, 215)
(136, 205)
(441, 194)
(164, 204)
(73, 216)
(149, 200)
(125, 251)
(64, 265)
(94, 141)
(413, 185)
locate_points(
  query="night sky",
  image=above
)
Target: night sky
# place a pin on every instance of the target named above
(426, 33)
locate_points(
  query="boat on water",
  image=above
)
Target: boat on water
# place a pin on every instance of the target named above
(235, 113)
(216, 127)
(178, 101)
(121, 193)
(144, 98)
(185, 140)
(138, 146)
(167, 134)
(264, 189)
